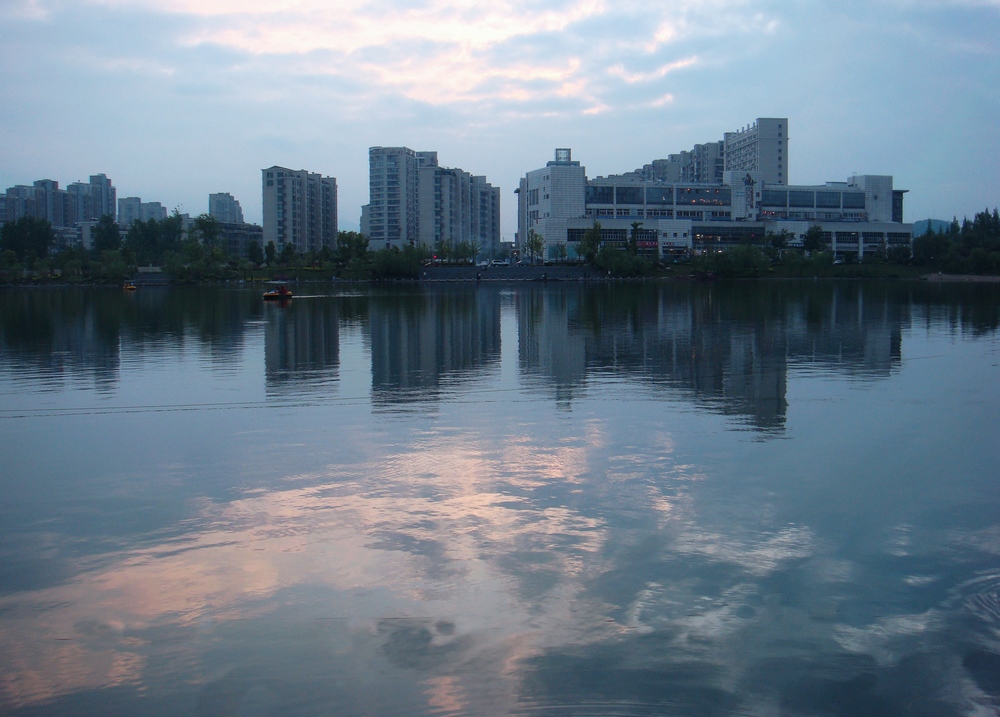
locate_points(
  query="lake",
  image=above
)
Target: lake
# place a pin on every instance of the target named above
(745, 498)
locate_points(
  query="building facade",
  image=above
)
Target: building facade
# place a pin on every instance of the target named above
(413, 201)
(759, 147)
(547, 198)
(62, 208)
(300, 209)
(392, 217)
(224, 208)
(133, 209)
(861, 216)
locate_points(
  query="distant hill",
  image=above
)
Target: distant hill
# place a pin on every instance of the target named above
(920, 228)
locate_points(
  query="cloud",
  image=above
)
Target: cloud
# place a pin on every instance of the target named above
(461, 52)
(658, 73)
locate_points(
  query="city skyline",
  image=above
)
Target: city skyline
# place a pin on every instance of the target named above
(178, 100)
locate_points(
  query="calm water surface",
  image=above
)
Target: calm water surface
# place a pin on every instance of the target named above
(721, 499)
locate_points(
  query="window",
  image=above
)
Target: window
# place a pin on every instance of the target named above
(774, 198)
(659, 195)
(799, 198)
(828, 200)
(628, 195)
(600, 195)
(721, 196)
(854, 200)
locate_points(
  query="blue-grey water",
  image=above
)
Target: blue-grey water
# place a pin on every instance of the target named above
(774, 498)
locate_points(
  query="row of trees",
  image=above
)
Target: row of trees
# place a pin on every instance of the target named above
(198, 253)
(972, 247)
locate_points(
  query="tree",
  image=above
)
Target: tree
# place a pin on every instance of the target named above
(813, 239)
(172, 232)
(106, 235)
(779, 240)
(206, 228)
(255, 253)
(534, 245)
(270, 251)
(351, 245)
(633, 239)
(287, 254)
(590, 244)
(29, 238)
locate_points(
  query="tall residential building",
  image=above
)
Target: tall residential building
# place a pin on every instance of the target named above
(300, 209)
(133, 209)
(103, 195)
(392, 215)
(225, 208)
(129, 211)
(79, 202)
(455, 206)
(415, 201)
(760, 147)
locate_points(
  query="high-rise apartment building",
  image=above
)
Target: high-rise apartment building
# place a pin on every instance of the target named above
(79, 202)
(300, 209)
(103, 194)
(393, 215)
(413, 200)
(133, 209)
(455, 206)
(224, 208)
(760, 147)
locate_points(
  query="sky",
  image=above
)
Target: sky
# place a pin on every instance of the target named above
(177, 99)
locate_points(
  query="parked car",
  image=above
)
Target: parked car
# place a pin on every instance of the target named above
(500, 262)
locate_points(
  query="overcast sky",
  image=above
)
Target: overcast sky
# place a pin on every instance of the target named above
(176, 99)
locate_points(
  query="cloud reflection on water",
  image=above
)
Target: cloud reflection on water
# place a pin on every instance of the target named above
(512, 557)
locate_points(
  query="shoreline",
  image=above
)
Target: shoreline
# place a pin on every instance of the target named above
(966, 278)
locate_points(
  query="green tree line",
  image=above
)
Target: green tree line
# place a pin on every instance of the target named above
(972, 247)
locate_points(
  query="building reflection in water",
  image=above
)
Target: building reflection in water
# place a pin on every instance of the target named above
(422, 340)
(301, 345)
(728, 347)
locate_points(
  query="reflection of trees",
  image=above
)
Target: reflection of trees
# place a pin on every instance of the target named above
(419, 338)
(71, 333)
(63, 334)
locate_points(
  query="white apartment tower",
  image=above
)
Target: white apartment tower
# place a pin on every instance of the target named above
(415, 201)
(392, 217)
(760, 147)
(300, 209)
(455, 206)
(224, 208)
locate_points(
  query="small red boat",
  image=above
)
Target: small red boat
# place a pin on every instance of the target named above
(282, 292)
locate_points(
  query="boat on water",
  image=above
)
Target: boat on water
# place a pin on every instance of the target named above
(128, 286)
(282, 292)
